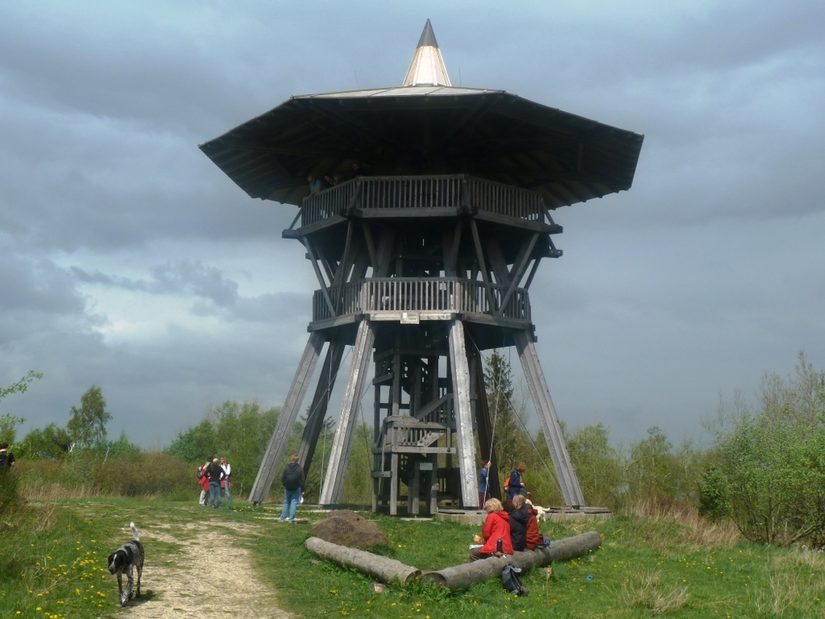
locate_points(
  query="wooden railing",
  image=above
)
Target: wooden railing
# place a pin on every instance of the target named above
(418, 294)
(423, 192)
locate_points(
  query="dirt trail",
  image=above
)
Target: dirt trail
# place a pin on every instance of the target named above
(210, 575)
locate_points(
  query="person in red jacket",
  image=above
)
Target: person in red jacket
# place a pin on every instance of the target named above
(496, 529)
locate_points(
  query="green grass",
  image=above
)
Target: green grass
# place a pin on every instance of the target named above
(53, 557)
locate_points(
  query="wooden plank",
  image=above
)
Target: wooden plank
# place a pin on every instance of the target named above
(546, 411)
(342, 442)
(289, 414)
(464, 417)
(320, 403)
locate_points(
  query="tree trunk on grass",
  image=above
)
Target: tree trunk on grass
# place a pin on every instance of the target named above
(466, 574)
(381, 568)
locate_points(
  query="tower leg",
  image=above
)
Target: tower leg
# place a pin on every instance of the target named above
(286, 420)
(320, 403)
(570, 489)
(464, 415)
(342, 442)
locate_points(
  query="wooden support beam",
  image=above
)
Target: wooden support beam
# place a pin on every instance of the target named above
(532, 274)
(313, 258)
(518, 269)
(394, 484)
(342, 442)
(464, 417)
(485, 276)
(320, 403)
(570, 489)
(289, 414)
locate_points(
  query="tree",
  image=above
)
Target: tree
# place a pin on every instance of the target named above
(87, 425)
(651, 470)
(599, 468)
(770, 462)
(50, 442)
(8, 422)
(22, 385)
(511, 441)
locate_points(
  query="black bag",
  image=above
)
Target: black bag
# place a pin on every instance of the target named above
(510, 581)
(292, 478)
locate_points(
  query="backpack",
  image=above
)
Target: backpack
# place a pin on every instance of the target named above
(292, 477)
(510, 581)
(514, 479)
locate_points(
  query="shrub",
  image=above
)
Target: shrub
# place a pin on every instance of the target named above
(772, 462)
(714, 494)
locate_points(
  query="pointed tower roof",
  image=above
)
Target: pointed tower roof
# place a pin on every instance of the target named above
(427, 66)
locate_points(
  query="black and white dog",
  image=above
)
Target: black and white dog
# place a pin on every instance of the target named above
(127, 558)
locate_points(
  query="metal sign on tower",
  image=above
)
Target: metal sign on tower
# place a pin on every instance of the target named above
(424, 242)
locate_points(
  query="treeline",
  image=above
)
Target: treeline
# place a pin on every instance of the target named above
(764, 469)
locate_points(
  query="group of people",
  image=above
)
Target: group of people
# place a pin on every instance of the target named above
(215, 479)
(513, 487)
(508, 526)
(318, 183)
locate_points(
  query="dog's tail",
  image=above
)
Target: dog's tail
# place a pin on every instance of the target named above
(135, 532)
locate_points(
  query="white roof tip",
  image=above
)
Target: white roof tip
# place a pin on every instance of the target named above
(427, 66)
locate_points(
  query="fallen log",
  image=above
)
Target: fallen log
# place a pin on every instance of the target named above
(466, 574)
(383, 569)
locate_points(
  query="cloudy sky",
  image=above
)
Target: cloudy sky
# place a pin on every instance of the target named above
(131, 262)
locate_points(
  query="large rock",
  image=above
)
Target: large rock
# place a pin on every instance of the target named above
(346, 528)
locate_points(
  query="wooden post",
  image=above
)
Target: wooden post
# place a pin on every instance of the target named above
(394, 484)
(570, 489)
(289, 414)
(342, 442)
(320, 403)
(464, 415)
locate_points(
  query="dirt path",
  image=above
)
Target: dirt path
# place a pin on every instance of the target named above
(209, 575)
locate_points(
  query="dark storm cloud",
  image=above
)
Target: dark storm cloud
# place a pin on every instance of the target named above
(36, 285)
(691, 285)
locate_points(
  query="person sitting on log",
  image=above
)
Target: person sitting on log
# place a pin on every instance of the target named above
(519, 518)
(524, 526)
(495, 533)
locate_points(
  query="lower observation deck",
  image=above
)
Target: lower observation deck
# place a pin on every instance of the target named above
(410, 300)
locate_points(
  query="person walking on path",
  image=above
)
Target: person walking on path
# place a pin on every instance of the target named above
(216, 474)
(227, 480)
(293, 480)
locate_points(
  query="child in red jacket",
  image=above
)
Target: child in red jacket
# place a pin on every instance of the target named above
(496, 529)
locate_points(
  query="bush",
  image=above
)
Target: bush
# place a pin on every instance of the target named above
(714, 495)
(771, 471)
(9, 497)
(88, 473)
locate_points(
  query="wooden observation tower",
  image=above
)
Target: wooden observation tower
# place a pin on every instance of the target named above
(424, 253)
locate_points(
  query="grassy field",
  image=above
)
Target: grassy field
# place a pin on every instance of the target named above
(52, 564)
